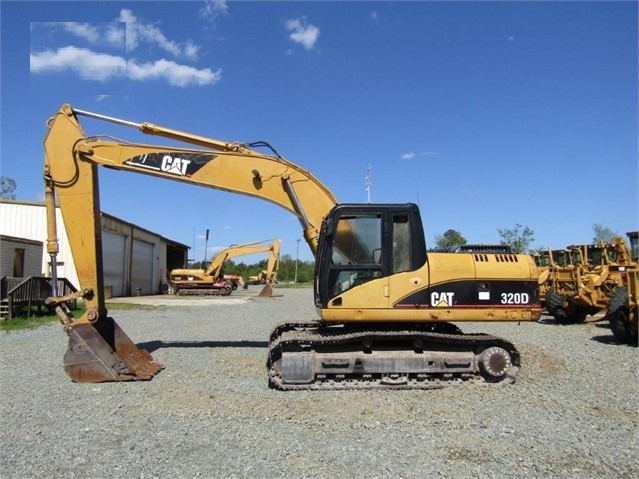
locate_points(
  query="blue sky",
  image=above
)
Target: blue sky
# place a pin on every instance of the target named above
(486, 114)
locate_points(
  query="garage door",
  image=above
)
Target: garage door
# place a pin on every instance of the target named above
(113, 255)
(142, 267)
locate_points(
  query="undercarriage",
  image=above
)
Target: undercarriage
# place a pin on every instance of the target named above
(221, 291)
(314, 355)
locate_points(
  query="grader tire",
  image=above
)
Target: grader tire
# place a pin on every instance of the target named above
(555, 306)
(619, 318)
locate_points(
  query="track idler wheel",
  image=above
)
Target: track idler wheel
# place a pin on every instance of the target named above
(495, 364)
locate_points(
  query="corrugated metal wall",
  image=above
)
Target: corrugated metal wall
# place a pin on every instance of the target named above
(131, 254)
(113, 257)
(142, 263)
(31, 259)
(29, 220)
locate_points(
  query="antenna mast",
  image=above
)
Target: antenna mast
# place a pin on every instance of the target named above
(368, 183)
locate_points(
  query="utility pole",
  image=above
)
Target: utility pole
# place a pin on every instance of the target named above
(192, 252)
(368, 183)
(206, 245)
(297, 254)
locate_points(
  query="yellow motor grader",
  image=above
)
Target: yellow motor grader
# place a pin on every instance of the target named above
(587, 280)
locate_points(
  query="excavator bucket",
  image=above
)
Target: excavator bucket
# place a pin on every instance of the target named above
(267, 291)
(103, 352)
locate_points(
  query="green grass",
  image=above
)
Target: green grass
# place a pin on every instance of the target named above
(292, 285)
(113, 306)
(15, 324)
(37, 319)
(43, 317)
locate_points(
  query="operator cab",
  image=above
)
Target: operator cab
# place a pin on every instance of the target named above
(362, 242)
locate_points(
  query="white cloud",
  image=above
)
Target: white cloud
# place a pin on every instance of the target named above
(137, 32)
(127, 17)
(101, 67)
(174, 74)
(302, 33)
(213, 9)
(110, 33)
(115, 35)
(410, 155)
(82, 30)
(88, 64)
(374, 16)
(191, 50)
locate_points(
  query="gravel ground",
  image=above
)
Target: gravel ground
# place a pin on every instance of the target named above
(572, 413)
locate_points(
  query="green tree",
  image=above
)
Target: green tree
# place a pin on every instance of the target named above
(285, 272)
(603, 233)
(450, 238)
(7, 188)
(519, 238)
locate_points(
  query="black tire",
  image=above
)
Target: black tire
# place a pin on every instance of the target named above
(555, 306)
(619, 318)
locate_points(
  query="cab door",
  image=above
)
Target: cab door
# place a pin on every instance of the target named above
(361, 246)
(350, 256)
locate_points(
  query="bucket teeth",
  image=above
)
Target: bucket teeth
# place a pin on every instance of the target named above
(147, 370)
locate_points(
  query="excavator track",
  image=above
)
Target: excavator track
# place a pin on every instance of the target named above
(223, 291)
(316, 356)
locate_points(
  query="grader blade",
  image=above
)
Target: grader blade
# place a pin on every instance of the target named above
(267, 291)
(103, 352)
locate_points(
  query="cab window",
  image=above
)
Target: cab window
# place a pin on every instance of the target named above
(356, 251)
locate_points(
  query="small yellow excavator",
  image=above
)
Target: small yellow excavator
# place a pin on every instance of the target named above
(387, 306)
(213, 281)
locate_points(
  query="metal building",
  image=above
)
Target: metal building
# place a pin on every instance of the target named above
(136, 260)
(20, 257)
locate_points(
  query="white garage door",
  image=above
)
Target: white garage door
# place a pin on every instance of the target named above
(113, 261)
(142, 267)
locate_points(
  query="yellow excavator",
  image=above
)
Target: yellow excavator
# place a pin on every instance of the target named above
(386, 305)
(212, 280)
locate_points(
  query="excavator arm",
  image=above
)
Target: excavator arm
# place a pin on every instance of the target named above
(71, 175)
(72, 158)
(234, 251)
(273, 263)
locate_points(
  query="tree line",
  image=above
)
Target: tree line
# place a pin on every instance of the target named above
(286, 272)
(520, 238)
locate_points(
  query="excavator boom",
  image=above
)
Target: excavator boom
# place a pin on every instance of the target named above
(385, 303)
